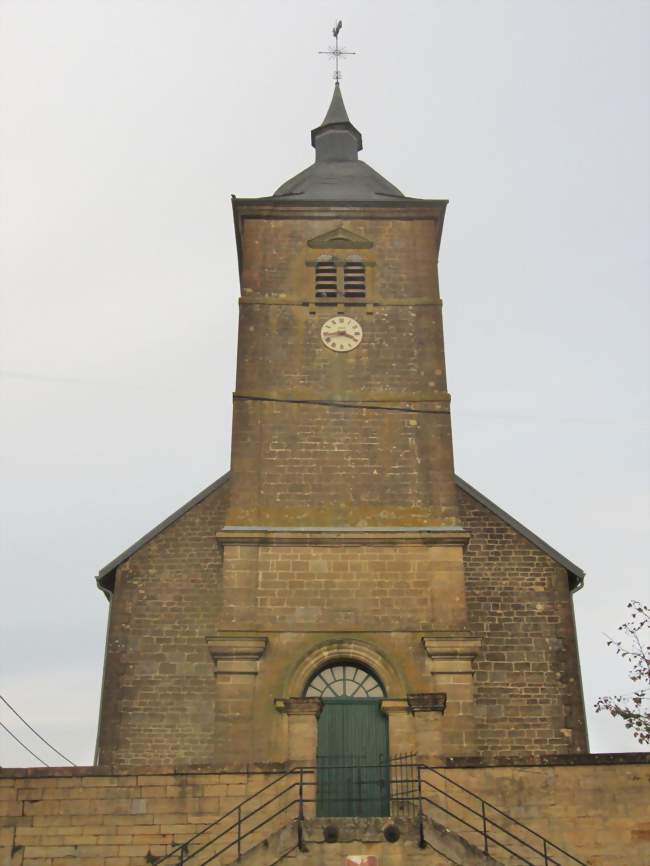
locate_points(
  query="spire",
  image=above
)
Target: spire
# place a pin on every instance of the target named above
(337, 173)
(336, 139)
(336, 113)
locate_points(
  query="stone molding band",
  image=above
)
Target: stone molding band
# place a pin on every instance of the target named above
(413, 703)
(236, 654)
(299, 706)
(295, 535)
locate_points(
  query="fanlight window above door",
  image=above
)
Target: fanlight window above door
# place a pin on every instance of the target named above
(344, 681)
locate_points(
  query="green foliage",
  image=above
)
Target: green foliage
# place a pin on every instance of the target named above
(633, 646)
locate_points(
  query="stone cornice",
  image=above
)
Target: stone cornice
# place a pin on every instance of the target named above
(572, 761)
(267, 300)
(282, 208)
(299, 706)
(427, 702)
(451, 645)
(313, 535)
(395, 705)
(237, 646)
(236, 654)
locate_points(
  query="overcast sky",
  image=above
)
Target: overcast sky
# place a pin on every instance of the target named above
(125, 125)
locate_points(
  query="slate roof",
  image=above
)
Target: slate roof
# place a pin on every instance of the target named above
(106, 577)
(338, 173)
(337, 116)
(576, 574)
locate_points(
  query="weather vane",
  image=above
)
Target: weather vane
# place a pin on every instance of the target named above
(336, 52)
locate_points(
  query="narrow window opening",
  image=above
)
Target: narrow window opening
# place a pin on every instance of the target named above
(354, 277)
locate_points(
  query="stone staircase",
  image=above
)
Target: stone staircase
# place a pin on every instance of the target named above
(434, 821)
(366, 837)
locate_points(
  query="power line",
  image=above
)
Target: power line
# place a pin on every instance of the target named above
(33, 754)
(16, 713)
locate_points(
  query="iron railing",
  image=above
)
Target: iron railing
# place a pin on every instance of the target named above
(484, 824)
(415, 791)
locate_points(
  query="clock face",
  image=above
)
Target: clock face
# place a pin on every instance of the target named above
(341, 334)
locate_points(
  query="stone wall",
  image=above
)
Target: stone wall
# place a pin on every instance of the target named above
(162, 703)
(527, 682)
(314, 465)
(158, 674)
(212, 615)
(334, 586)
(87, 817)
(597, 810)
(297, 463)
(596, 807)
(274, 245)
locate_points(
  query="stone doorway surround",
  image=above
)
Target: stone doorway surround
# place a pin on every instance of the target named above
(414, 720)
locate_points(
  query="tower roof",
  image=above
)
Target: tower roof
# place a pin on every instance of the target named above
(336, 118)
(338, 173)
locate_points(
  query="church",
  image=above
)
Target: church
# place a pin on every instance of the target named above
(340, 557)
(340, 651)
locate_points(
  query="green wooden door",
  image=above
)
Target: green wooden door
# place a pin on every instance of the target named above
(352, 759)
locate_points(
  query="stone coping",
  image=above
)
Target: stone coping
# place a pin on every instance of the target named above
(593, 760)
(578, 760)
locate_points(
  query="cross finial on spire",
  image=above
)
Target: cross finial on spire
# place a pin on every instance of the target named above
(335, 52)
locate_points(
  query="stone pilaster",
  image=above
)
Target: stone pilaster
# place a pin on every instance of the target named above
(451, 664)
(236, 664)
(302, 727)
(428, 709)
(401, 735)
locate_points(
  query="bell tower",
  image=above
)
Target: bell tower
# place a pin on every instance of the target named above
(342, 537)
(341, 409)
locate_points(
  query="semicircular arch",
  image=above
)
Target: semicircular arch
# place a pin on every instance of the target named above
(356, 651)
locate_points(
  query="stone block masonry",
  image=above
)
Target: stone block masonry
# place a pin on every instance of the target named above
(297, 458)
(314, 465)
(352, 587)
(163, 703)
(90, 817)
(158, 695)
(324, 449)
(527, 680)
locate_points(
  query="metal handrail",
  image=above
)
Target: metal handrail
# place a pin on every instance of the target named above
(241, 837)
(488, 838)
(406, 772)
(183, 845)
(542, 839)
(485, 820)
(487, 803)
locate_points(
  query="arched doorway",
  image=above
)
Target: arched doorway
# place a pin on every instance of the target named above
(352, 751)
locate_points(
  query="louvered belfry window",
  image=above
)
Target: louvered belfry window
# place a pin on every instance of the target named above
(326, 277)
(354, 277)
(336, 278)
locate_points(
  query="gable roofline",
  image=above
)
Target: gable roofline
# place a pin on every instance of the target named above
(576, 574)
(106, 577)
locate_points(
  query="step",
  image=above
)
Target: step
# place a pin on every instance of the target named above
(356, 837)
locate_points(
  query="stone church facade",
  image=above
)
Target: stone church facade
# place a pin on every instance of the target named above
(341, 534)
(340, 597)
